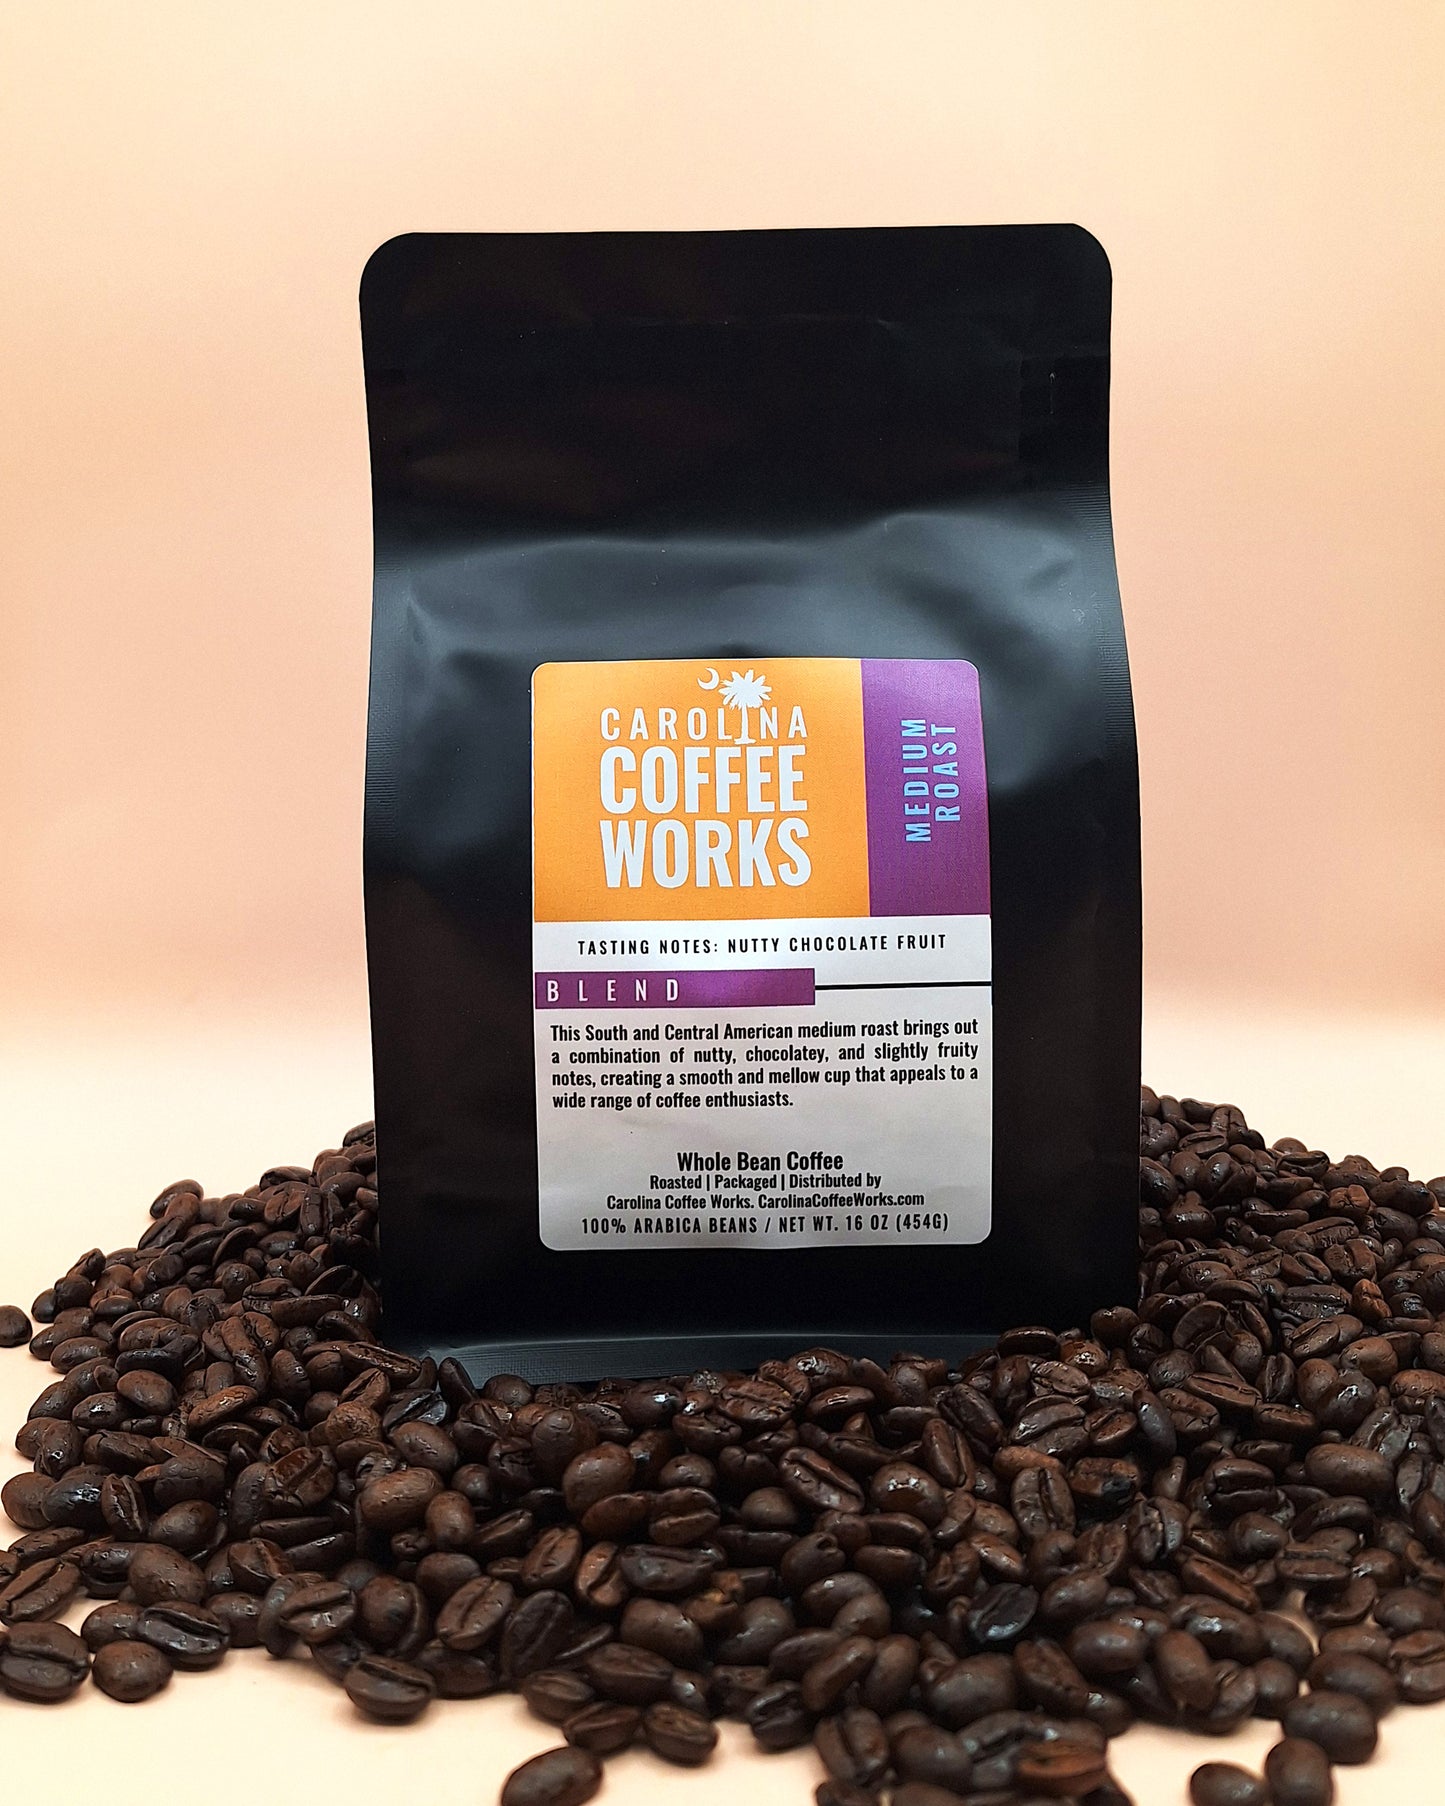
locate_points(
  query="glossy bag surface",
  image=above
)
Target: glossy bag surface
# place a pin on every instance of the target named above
(828, 462)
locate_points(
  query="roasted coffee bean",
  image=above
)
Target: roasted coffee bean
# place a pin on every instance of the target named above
(970, 1689)
(159, 1576)
(190, 1527)
(1339, 1467)
(1284, 1640)
(535, 1633)
(926, 1752)
(304, 1478)
(1072, 1597)
(1275, 1684)
(1341, 1724)
(392, 1614)
(42, 1661)
(583, 1641)
(398, 1501)
(473, 1615)
(1106, 1646)
(665, 1629)
(1234, 1701)
(75, 1498)
(677, 1734)
(1341, 1671)
(890, 1679)
(995, 1744)
(385, 1688)
(1298, 1774)
(1407, 1609)
(668, 1573)
(853, 1746)
(864, 1612)
(686, 1515)
(689, 1687)
(1312, 1568)
(419, 1437)
(1055, 1767)
(1001, 1615)
(23, 1497)
(1225, 1784)
(553, 1558)
(187, 1473)
(110, 1623)
(732, 1689)
(440, 1574)
(451, 1521)
(777, 1717)
(598, 1582)
(1357, 1640)
(1047, 1678)
(1418, 1646)
(319, 1612)
(1223, 1629)
(560, 1777)
(44, 1545)
(148, 1394)
(130, 1671)
(633, 1676)
(833, 1792)
(337, 1658)
(818, 1483)
(1184, 1666)
(188, 1636)
(899, 1486)
(618, 1516)
(57, 1447)
(603, 1728)
(123, 1507)
(42, 1590)
(755, 1627)
(832, 1674)
(274, 1637)
(595, 1474)
(240, 1614)
(556, 1694)
(1422, 1683)
(254, 1564)
(14, 1326)
(810, 1559)
(457, 1674)
(924, 1793)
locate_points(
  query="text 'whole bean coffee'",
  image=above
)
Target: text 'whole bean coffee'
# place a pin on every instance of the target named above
(957, 1579)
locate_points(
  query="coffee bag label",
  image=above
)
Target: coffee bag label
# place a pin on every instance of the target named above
(761, 949)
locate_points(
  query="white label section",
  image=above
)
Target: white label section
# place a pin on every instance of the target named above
(861, 1118)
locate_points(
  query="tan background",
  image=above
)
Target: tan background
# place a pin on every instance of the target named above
(189, 189)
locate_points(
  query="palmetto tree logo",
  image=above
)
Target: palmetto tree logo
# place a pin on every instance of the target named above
(745, 690)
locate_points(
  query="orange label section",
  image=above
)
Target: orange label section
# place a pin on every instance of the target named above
(682, 790)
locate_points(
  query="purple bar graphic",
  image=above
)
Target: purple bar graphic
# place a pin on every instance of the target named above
(673, 990)
(926, 792)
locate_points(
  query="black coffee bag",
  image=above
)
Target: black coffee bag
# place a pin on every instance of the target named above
(752, 841)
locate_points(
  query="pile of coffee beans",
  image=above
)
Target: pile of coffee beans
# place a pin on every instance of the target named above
(958, 1581)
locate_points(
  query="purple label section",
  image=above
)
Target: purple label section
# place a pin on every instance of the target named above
(738, 990)
(926, 792)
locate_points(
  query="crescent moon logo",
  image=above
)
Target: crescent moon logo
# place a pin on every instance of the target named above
(710, 682)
